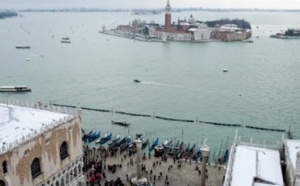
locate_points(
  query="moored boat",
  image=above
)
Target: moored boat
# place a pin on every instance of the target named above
(93, 136)
(21, 88)
(105, 139)
(155, 143)
(145, 143)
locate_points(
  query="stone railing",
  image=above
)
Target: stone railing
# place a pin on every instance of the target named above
(35, 133)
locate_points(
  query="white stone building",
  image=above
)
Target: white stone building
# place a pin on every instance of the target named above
(292, 158)
(253, 165)
(40, 147)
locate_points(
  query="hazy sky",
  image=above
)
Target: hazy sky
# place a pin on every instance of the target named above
(262, 4)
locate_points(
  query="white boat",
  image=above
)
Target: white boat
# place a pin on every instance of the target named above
(225, 70)
(28, 59)
(21, 88)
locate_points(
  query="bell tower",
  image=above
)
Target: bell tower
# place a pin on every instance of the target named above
(168, 17)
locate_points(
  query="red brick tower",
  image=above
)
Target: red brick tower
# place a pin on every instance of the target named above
(168, 17)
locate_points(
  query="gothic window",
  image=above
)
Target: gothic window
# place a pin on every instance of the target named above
(62, 182)
(67, 178)
(2, 183)
(63, 150)
(35, 168)
(4, 167)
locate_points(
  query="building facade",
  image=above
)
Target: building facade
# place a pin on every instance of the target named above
(40, 147)
(292, 159)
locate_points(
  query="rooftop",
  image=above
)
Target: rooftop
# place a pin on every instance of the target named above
(20, 124)
(252, 163)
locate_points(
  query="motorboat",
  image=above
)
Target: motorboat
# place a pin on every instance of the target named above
(23, 47)
(136, 81)
(225, 70)
(65, 41)
(21, 88)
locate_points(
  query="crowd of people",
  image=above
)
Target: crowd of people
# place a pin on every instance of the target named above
(95, 166)
(156, 170)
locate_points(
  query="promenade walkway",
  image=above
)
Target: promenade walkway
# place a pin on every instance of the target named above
(158, 172)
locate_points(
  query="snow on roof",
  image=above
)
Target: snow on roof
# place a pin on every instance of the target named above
(22, 123)
(293, 148)
(250, 162)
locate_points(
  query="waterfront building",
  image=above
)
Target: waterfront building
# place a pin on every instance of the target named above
(292, 159)
(253, 165)
(40, 147)
(184, 30)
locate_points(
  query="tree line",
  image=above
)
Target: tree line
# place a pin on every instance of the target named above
(241, 23)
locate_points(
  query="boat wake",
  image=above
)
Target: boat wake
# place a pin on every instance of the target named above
(160, 84)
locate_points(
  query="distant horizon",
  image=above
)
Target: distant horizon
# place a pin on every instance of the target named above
(174, 8)
(154, 4)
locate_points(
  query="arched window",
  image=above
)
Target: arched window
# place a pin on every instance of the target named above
(35, 168)
(4, 167)
(67, 178)
(62, 182)
(63, 150)
(2, 183)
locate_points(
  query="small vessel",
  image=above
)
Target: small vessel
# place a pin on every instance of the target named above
(120, 123)
(65, 41)
(21, 88)
(65, 38)
(28, 59)
(225, 70)
(94, 136)
(155, 143)
(248, 41)
(105, 139)
(136, 81)
(23, 47)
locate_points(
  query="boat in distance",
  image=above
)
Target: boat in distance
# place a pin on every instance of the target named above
(136, 81)
(23, 47)
(65, 41)
(21, 88)
(120, 123)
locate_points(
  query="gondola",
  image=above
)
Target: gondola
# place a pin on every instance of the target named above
(105, 139)
(145, 143)
(120, 123)
(155, 143)
(93, 136)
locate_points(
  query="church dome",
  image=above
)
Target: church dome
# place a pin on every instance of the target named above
(191, 20)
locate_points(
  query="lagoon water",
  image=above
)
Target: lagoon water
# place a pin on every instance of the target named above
(178, 80)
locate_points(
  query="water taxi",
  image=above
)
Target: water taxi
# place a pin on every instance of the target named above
(21, 88)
